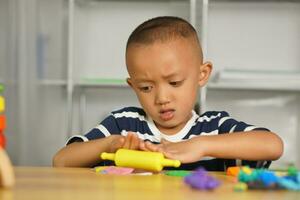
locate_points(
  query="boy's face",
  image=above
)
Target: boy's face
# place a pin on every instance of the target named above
(166, 77)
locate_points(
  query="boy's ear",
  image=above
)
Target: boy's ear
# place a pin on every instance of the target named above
(129, 82)
(204, 74)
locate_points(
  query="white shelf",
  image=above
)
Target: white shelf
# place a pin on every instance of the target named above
(238, 85)
(282, 83)
(87, 83)
(109, 82)
(49, 82)
(254, 0)
(256, 80)
(95, 1)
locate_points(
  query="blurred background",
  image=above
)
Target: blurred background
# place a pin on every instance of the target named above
(63, 67)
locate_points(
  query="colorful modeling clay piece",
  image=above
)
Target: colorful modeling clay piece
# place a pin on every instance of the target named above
(233, 171)
(259, 185)
(266, 179)
(200, 179)
(246, 177)
(116, 170)
(100, 168)
(240, 187)
(246, 170)
(152, 161)
(143, 173)
(180, 173)
(288, 184)
(292, 171)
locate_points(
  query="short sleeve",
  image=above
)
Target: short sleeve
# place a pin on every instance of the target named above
(107, 127)
(229, 125)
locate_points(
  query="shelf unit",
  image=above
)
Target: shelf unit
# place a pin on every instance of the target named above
(199, 13)
(194, 5)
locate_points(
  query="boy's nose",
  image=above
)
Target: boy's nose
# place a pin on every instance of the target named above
(162, 97)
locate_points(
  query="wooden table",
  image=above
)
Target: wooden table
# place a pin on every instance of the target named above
(77, 183)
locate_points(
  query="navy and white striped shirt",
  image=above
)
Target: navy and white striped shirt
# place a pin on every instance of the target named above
(133, 119)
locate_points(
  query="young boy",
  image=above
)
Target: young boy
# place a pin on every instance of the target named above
(165, 65)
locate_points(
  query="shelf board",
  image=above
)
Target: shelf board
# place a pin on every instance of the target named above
(241, 1)
(256, 80)
(54, 82)
(227, 80)
(102, 82)
(86, 2)
(254, 86)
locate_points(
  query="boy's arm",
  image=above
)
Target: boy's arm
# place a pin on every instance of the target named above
(250, 145)
(87, 154)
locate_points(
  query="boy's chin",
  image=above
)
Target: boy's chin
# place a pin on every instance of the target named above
(167, 125)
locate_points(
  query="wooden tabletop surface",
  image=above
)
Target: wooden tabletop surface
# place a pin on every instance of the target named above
(79, 183)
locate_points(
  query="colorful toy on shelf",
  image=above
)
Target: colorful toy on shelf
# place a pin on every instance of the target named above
(152, 161)
(2, 140)
(2, 122)
(7, 178)
(2, 118)
(200, 179)
(2, 104)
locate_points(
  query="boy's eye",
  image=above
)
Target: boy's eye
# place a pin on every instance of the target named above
(175, 83)
(145, 88)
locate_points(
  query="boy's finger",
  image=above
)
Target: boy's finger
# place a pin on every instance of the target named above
(134, 142)
(151, 147)
(117, 143)
(169, 155)
(142, 146)
(127, 141)
(120, 142)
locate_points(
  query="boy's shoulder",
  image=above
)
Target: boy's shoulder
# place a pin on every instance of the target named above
(130, 109)
(214, 114)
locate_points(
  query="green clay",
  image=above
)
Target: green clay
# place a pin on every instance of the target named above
(180, 173)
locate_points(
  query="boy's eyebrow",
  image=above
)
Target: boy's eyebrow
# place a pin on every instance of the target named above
(171, 75)
(174, 74)
(142, 80)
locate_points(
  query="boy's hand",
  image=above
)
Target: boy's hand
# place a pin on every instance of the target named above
(185, 151)
(131, 141)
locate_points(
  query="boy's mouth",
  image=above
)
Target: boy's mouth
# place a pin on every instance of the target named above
(166, 114)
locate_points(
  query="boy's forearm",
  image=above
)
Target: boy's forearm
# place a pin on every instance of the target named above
(81, 154)
(252, 145)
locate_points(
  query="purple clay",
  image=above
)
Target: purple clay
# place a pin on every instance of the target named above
(201, 180)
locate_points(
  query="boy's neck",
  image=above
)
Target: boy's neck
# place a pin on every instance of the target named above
(173, 130)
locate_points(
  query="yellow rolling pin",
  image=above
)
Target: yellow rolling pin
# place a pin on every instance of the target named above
(152, 161)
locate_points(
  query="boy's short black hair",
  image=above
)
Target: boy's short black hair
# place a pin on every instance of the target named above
(162, 29)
